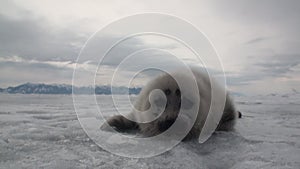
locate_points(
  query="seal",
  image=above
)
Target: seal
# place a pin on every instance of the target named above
(152, 121)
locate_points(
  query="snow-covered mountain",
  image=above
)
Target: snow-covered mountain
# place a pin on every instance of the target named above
(32, 88)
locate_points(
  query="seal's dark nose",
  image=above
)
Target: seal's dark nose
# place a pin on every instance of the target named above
(164, 125)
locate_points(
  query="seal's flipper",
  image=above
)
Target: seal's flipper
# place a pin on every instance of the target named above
(120, 123)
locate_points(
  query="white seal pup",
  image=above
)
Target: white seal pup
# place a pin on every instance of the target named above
(173, 95)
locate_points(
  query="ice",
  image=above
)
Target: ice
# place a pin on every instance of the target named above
(42, 131)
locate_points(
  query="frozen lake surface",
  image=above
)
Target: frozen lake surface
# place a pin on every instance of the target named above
(42, 131)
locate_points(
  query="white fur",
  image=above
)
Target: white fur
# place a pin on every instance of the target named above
(149, 117)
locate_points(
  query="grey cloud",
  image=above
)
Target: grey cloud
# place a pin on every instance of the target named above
(263, 17)
(37, 70)
(265, 67)
(33, 39)
(121, 53)
(98, 45)
(259, 11)
(279, 65)
(256, 40)
(13, 73)
(241, 80)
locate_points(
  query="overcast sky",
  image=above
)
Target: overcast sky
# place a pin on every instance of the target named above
(258, 41)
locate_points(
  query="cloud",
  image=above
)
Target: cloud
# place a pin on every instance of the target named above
(266, 68)
(267, 11)
(256, 40)
(279, 65)
(32, 39)
(20, 72)
(31, 50)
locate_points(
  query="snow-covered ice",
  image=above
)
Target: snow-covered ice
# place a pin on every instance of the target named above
(42, 131)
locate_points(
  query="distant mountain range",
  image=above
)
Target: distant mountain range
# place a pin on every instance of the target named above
(40, 88)
(32, 88)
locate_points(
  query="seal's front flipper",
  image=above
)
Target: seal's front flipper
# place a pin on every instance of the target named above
(119, 123)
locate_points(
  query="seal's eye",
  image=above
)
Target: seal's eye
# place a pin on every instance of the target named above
(167, 92)
(177, 92)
